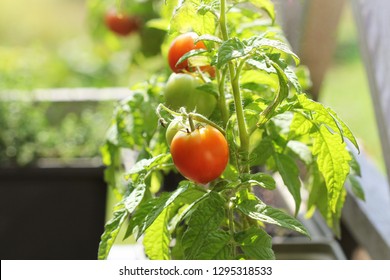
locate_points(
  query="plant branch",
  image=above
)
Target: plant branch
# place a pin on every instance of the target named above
(234, 78)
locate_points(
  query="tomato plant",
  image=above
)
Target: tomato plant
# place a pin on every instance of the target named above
(200, 155)
(183, 90)
(260, 117)
(121, 23)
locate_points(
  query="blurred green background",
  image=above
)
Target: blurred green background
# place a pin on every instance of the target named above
(65, 44)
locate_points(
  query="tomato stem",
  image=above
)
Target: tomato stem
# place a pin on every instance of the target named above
(231, 226)
(191, 121)
(234, 80)
(222, 97)
(202, 119)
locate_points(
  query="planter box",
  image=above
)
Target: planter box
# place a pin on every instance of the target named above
(51, 213)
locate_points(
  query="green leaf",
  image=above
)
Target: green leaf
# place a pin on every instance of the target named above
(158, 23)
(111, 230)
(259, 63)
(261, 179)
(138, 218)
(260, 154)
(134, 199)
(357, 188)
(193, 199)
(301, 125)
(293, 79)
(322, 115)
(354, 164)
(208, 37)
(332, 160)
(147, 164)
(210, 88)
(265, 5)
(301, 150)
(229, 50)
(317, 191)
(289, 171)
(256, 244)
(157, 238)
(258, 210)
(282, 94)
(259, 42)
(203, 222)
(191, 53)
(188, 17)
(346, 132)
(161, 203)
(216, 246)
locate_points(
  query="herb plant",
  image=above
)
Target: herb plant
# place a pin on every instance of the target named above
(267, 121)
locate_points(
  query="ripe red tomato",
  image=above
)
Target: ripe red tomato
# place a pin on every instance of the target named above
(200, 155)
(122, 24)
(181, 45)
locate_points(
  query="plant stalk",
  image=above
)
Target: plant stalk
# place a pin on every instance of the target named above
(234, 78)
(222, 98)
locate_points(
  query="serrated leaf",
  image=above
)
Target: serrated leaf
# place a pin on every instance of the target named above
(208, 37)
(210, 88)
(138, 218)
(322, 115)
(157, 238)
(332, 160)
(354, 164)
(111, 230)
(259, 42)
(317, 191)
(301, 150)
(280, 46)
(258, 210)
(256, 244)
(300, 125)
(289, 172)
(282, 94)
(134, 199)
(260, 154)
(216, 246)
(193, 199)
(261, 65)
(147, 164)
(333, 218)
(162, 202)
(357, 188)
(293, 79)
(191, 53)
(204, 221)
(345, 129)
(187, 17)
(261, 179)
(229, 50)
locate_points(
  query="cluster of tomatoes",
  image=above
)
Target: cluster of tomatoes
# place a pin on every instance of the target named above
(199, 154)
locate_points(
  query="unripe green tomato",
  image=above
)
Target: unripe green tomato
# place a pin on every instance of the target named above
(172, 129)
(181, 91)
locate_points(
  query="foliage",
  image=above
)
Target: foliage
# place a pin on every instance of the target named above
(26, 133)
(268, 121)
